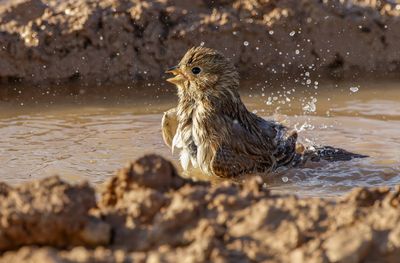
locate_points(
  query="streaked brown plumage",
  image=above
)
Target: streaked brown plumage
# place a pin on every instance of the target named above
(214, 130)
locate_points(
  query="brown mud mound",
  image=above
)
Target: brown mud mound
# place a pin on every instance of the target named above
(147, 213)
(116, 41)
(49, 212)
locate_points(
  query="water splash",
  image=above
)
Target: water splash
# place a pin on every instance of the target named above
(304, 126)
(310, 106)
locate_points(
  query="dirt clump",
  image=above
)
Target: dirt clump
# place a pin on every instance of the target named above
(49, 212)
(155, 216)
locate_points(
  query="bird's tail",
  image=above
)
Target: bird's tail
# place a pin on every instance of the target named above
(328, 153)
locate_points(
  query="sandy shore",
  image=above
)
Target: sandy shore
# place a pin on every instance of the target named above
(146, 213)
(118, 41)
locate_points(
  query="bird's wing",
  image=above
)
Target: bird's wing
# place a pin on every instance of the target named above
(285, 143)
(247, 153)
(243, 153)
(169, 125)
(228, 163)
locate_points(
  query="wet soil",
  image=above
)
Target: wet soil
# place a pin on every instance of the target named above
(119, 41)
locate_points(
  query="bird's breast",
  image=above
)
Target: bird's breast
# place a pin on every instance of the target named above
(200, 125)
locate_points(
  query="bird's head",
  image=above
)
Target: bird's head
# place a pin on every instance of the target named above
(204, 70)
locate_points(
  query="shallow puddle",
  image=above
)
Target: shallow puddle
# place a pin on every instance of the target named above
(86, 133)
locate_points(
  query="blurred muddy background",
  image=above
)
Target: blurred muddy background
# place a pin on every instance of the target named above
(120, 41)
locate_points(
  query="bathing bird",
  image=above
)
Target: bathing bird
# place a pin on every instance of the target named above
(216, 133)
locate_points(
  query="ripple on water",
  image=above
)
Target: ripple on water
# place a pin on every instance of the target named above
(92, 142)
(92, 147)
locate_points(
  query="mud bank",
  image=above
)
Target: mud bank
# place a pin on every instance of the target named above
(120, 41)
(147, 213)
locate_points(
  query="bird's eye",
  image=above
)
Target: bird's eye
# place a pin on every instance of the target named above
(196, 70)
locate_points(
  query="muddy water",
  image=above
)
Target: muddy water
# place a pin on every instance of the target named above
(86, 133)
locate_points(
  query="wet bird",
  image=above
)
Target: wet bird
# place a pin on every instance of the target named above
(216, 133)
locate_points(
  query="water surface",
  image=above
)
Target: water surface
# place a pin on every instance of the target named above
(86, 133)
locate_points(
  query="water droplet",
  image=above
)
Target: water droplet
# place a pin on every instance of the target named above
(246, 43)
(271, 32)
(202, 43)
(354, 89)
(285, 179)
(292, 33)
(297, 51)
(311, 106)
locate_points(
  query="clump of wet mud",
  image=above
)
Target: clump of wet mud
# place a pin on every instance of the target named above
(147, 213)
(115, 41)
(49, 212)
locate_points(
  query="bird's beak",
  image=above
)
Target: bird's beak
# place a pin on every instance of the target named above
(174, 70)
(178, 75)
